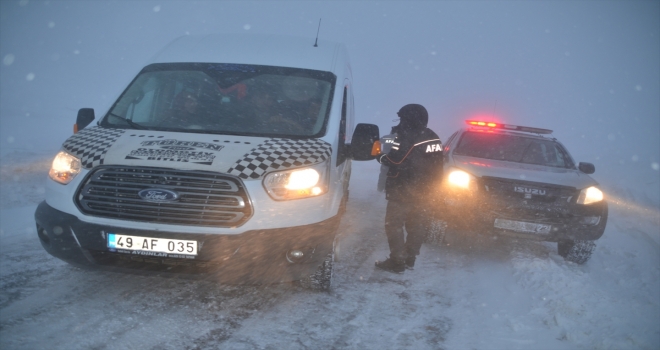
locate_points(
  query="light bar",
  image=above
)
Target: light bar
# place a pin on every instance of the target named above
(508, 127)
(478, 123)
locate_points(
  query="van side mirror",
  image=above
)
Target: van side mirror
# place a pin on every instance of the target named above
(365, 137)
(85, 117)
(586, 168)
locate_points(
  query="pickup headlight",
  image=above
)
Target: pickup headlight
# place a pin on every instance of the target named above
(297, 183)
(459, 179)
(590, 195)
(65, 167)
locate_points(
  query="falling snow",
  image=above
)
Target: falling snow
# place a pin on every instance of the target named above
(587, 70)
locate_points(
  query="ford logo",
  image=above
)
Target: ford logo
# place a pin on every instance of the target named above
(158, 195)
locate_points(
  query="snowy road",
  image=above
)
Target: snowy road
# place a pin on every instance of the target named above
(490, 294)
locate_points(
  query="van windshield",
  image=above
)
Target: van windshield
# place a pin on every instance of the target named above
(220, 98)
(511, 148)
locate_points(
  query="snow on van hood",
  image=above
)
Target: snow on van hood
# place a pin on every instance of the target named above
(527, 172)
(242, 156)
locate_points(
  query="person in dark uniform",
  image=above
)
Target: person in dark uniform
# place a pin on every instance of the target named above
(413, 181)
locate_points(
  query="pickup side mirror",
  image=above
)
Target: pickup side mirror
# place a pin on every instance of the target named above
(85, 117)
(586, 168)
(365, 137)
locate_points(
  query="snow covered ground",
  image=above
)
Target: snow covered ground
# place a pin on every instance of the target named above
(502, 294)
(588, 70)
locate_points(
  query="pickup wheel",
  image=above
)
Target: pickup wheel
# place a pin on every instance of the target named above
(321, 279)
(576, 251)
(436, 232)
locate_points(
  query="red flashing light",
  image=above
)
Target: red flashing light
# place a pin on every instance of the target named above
(480, 123)
(506, 126)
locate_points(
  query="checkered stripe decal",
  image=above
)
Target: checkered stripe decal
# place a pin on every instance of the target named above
(280, 154)
(90, 145)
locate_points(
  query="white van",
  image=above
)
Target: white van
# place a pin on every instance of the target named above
(225, 156)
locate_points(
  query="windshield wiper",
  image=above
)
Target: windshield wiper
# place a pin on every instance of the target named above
(131, 123)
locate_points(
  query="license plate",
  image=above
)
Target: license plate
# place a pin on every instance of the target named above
(522, 226)
(151, 246)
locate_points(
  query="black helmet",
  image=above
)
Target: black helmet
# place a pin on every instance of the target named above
(413, 116)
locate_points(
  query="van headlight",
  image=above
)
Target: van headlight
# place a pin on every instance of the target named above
(297, 183)
(590, 195)
(65, 167)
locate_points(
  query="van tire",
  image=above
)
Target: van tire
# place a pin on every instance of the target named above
(344, 203)
(321, 279)
(577, 251)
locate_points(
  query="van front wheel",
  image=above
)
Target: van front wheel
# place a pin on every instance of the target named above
(321, 279)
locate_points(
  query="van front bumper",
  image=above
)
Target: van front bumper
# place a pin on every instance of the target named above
(255, 256)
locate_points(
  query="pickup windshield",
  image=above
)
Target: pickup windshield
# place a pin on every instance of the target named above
(513, 148)
(222, 98)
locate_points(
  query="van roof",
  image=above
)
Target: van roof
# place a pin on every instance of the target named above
(270, 50)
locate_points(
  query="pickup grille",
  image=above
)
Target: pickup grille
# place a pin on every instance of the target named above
(532, 192)
(204, 198)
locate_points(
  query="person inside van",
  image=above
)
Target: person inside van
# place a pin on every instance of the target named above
(187, 104)
(183, 111)
(300, 115)
(270, 115)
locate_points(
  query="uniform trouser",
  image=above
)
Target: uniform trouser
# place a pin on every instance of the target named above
(400, 215)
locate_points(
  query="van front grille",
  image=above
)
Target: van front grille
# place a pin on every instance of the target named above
(204, 198)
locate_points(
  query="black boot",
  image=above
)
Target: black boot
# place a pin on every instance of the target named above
(410, 262)
(391, 265)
